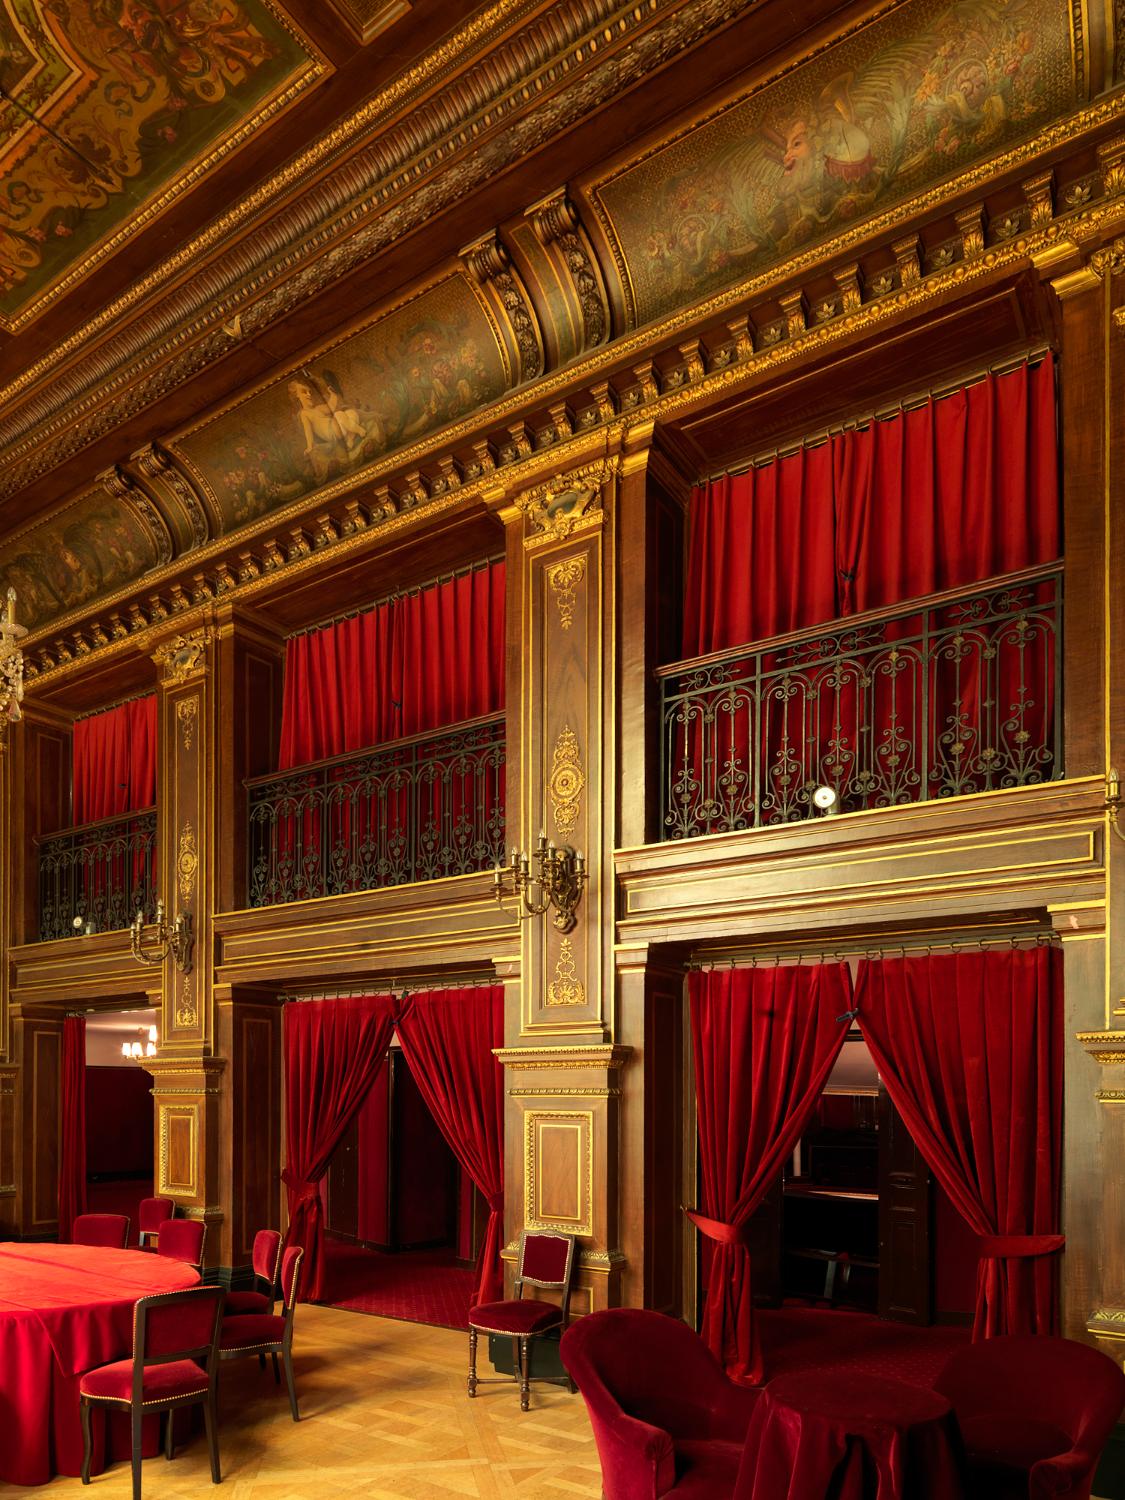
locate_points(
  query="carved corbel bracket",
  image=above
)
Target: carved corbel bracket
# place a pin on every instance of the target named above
(559, 229)
(184, 656)
(180, 502)
(490, 266)
(122, 488)
(566, 503)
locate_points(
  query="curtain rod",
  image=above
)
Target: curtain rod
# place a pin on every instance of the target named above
(121, 702)
(395, 987)
(1031, 357)
(388, 598)
(891, 950)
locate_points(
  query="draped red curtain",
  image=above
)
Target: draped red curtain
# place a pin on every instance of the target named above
(72, 1125)
(415, 662)
(115, 761)
(447, 1037)
(333, 1050)
(764, 1042)
(953, 491)
(969, 1046)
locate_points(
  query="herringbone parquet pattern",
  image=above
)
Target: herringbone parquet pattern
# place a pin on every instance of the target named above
(384, 1416)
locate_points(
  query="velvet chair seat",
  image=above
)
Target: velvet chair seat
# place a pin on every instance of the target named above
(248, 1330)
(181, 1379)
(246, 1302)
(706, 1467)
(514, 1318)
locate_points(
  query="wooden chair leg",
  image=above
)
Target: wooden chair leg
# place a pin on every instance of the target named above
(276, 1369)
(515, 1359)
(525, 1373)
(169, 1436)
(138, 1417)
(472, 1362)
(261, 1361)
(87, 1440)
(211, 1427)
(288, 1357)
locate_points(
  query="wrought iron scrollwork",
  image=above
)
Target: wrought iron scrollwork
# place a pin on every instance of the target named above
(946, 696)
(95, 877)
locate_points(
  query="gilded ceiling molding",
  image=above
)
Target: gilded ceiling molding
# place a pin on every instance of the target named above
(366, 203)
(366, 19)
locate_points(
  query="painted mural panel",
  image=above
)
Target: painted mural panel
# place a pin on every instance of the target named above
(917, 95)
(420, 366)
(109, 105)
(92, 547)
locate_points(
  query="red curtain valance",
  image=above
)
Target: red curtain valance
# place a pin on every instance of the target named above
(413, 663)
(959, 489)
(115, 761)
(333, 1052)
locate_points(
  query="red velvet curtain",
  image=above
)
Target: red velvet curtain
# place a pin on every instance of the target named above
(969, 1046)
(764, 1042)
(447, 1037)
(72, 1125)
(333, 1052)
(115, 761)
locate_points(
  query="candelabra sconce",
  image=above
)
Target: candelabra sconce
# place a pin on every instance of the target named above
(163, 939)
(556, 882)
(1113, 801)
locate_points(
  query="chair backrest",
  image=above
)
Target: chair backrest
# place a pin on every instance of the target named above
(176, 1325)
(153, 1212)
(546, 1259)
(108, 1230)
(650, 1366)
(291, 1281)
(266, 1256)
(182, 1239)
(1059, 1382)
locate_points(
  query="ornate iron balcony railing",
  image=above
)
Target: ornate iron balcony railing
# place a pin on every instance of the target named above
(99, 872)
(419, 808)
(952, 694)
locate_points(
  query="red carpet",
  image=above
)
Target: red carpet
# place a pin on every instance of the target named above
(420, 1286)
(854, 1343)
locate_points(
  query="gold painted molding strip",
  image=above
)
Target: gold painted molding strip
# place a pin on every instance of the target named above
(609, 1055)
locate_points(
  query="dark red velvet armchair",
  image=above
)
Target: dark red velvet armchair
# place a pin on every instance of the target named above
(1035, 1413)
(665, 1417)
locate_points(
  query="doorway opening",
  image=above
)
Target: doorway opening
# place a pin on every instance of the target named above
(404, 1222)
(119, 1113)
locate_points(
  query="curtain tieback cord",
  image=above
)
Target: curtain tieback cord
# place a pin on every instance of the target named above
(715, 1229)
(1019, 1246)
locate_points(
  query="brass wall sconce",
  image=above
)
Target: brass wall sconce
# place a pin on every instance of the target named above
(173, 939)
(1113, 800)
(559, 877)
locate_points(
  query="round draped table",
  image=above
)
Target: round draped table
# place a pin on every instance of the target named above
(64, 1309)
(850, 1437)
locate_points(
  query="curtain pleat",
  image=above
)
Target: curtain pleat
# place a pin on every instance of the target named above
(764, 1042)
(72, 1125)
(969, 1047)
(448, 1037)
(115, 761)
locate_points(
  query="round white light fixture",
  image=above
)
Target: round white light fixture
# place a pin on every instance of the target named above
(826, 801)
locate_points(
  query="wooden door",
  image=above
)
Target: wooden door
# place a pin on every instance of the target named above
(905, 1197)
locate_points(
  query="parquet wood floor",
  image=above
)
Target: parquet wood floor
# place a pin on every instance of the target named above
(384, 1416)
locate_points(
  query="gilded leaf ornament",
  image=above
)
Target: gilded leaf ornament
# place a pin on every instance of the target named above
(566, 782)
(564, 579)
(187, 862)
(186, 1013)
(186, 711)
(566, 988)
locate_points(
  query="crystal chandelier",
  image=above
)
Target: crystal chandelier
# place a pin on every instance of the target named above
(11, 664)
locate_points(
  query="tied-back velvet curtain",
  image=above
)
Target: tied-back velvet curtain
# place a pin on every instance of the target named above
(333, 1051)
(448, 1037)
(969, 1046)
(72, 1125)
(956, 490)
(764, 1042)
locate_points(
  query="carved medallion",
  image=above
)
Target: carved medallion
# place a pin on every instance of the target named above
(187, 862)
(183, 656)
(566, 783)
(186, 711)
(556, 507)
(564, 578)
(566, 988)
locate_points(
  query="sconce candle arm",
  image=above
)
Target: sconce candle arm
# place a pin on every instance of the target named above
(560, 874)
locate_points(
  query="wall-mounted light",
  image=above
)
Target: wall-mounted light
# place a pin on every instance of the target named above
(560, 874)
(173, 939)
(826, 802)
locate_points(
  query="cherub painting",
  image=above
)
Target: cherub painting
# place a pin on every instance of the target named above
(898, 105)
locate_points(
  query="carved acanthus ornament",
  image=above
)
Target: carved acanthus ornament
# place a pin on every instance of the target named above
(558, 507)
(187, 710)
(563, 579)
(187, 863)
(566, 782)
(184, 656)
(491, 265)
(556, 222)
(186, 1013)
(566, 988)
(118, 484)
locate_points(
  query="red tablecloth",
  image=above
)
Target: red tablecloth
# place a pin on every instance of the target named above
(850, 1437)
(65, 1309)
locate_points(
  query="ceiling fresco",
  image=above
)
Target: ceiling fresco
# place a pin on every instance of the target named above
(911, 98)
(110, 109)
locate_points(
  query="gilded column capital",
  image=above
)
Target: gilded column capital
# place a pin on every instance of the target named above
(184, 656)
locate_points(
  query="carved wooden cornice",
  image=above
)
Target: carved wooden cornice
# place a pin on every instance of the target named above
(506, 102)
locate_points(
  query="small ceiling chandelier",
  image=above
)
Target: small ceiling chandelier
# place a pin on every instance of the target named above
(11, 664)
(136, 1049)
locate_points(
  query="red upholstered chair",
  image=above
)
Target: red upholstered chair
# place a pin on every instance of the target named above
(268, 1333)
(182, 1239)
(546, 1260)
(170, 1333)
(266, 1259)
(151, 1214)
(666, 1419)
(108, 1230)
(1035, 1413)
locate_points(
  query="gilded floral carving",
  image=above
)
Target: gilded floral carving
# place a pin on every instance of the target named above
(566, 782)
(187, 863)
(566, 988)
(564, 579)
